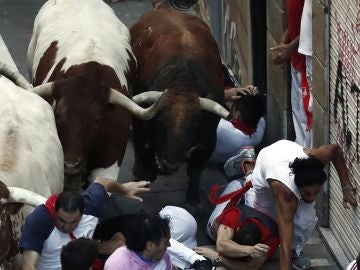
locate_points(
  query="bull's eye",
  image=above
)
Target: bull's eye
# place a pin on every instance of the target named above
(97, 119)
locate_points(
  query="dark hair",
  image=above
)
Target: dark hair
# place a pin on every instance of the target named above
(70, 202)
(79, 254)
(308, 171)
(251, 109)
(144, 228)
(249, 234)
(358, 261)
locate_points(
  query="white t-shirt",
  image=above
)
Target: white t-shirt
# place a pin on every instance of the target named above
(305, 42)
(273, 163)
(230, 139)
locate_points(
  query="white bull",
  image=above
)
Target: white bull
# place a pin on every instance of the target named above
(31, 158)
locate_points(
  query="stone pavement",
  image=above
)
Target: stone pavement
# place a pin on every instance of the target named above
(16, 23)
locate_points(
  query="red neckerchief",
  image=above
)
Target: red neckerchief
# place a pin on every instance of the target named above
(240, 125)
(50, 205)
(234, 196)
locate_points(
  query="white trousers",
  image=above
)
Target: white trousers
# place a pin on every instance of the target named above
(183, 229)
(303, 136)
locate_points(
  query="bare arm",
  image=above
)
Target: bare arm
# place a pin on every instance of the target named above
(235, 93)
(333, 153)
(128, 189)
(284, 50)
(225, 245)
(287, 205)
(30, 260)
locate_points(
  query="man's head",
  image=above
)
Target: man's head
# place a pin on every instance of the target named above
(149, 235)
(250, 108)
(309, 175)
(79, 254)
(248, 234)
(69, 208)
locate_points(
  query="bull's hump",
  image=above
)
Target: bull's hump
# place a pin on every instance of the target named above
(85, 30)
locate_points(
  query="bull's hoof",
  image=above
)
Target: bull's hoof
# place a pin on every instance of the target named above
(194, 208)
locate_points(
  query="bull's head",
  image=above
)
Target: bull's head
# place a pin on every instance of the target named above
(80, 106)
(173, 129)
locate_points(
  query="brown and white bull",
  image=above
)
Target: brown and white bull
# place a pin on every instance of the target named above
(176, 51)
(31, 158)
(84, 50)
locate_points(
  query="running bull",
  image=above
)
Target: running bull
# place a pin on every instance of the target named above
(176, 51)
(31, 158)
(80, 54)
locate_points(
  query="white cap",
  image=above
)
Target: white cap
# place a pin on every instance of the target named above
(183, 225)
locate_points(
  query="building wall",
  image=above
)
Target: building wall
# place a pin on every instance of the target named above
(344, 116)
(229, 21)
(278, 86)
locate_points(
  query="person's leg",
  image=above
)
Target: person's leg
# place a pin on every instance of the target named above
(183, 230)
(304, 223)
(309, 133)
(299, 116)
(183, 257)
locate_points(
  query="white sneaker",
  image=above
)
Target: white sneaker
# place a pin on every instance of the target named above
(234, 167)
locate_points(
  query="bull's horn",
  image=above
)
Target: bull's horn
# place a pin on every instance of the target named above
(20, 195)
(43, 90)
(205, 103)
(147, 97)
(120, 99)
(14, 76)
(214, 107)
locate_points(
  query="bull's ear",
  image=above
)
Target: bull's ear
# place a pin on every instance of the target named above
(44, 90)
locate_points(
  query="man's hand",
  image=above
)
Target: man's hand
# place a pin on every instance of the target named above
(235, 93)
(349, 196)
(132, 188)
(207, 252)
(259, 250)
(282, 54)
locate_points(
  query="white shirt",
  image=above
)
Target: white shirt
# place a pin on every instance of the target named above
(305, 42)
(230, 139)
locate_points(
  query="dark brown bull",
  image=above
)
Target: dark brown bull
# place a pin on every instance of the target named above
(176, 51)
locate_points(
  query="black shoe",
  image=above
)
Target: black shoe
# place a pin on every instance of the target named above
(202, 265)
